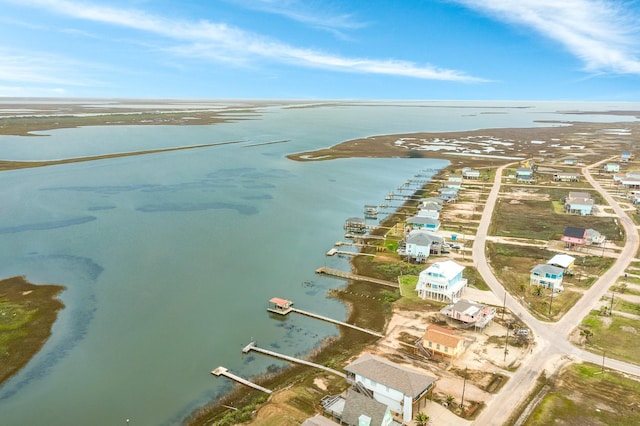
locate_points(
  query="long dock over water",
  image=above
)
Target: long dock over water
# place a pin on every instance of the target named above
(221, 371)
(333, 321)
(252, 347)
(350, 276)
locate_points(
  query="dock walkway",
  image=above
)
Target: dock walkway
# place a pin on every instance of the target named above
(221, 371)
(350, 276)
(333, 321)
(252, 347)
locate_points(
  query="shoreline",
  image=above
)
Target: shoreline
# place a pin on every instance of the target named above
(385, 148)
(348, 344)
(34, 306)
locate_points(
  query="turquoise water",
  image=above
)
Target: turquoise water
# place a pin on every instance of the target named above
(169, 259)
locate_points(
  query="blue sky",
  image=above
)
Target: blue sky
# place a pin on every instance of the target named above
(322, 49)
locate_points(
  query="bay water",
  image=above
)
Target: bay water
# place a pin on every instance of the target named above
(169, 259)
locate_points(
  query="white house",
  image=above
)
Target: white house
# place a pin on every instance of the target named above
(430, 211)
(402, 389)
(420, 222)
(441, 281)
(563, 261)
(469, 173)
(548, 276)
(611, 167)
(419, 244)
(579, 203)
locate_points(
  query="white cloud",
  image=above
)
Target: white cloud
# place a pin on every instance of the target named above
(321, 15)
(29, 91)
(40, 68)
(226, 43)
(604, 34)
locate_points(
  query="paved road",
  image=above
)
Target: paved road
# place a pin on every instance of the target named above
(552, 349)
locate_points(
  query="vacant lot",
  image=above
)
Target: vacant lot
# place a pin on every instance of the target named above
(616, 335)
(582, 395)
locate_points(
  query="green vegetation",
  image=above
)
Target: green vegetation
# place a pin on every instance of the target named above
(27, 313)
(537, 219)
(582, 395)
(616, 335)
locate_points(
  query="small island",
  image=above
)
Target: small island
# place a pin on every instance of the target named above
(27, 313)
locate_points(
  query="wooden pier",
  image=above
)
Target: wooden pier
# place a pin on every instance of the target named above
(350, 276)
(335, 251)
(221, 371)
(333, 321)
(252, 347)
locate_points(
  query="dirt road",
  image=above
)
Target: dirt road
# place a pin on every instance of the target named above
(553, 349)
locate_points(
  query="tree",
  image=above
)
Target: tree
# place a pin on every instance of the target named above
(586, 333)
(422, 419)
(450, 400)
(538, 291)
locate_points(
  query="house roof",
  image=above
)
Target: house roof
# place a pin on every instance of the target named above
(573, 232)
(423, 238)
(357, 404)
(280, 302)
(441, 335)
(319, 420)
(545, 268)
(573, 195)
(449, 269)
(561, 260)
(423, 220)
(406, 380)
(592, 232)
(580, 202)
(467, 307)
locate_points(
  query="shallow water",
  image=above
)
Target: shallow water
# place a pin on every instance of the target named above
(169, 259)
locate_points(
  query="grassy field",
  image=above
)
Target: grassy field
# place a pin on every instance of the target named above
(537, 219)
(581, 395)
(512, 265)
(616, 335)
(27, 312)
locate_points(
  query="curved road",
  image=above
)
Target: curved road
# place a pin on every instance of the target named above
(552, 346)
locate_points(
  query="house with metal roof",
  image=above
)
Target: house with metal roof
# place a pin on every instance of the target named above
(563, 261)
(419, 244)
(401, 388)
(611, 167)
(465, 314)
(574, 236)
(579, 203)
(442, 342)
(441, 281)
(469, 173)
(566, 177)
(426, 223)
(548, 276)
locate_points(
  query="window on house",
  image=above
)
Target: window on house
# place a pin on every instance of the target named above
(437, 345)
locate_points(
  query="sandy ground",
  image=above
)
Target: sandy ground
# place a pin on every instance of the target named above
(481, 358)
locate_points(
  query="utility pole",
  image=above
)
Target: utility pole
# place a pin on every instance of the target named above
(506, 343)
(504, 304)
(464, 385)
(613, 293)
(551, 300)
(603, 354)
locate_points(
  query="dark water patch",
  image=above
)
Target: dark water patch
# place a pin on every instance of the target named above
(80, 314)
(258, 185)
(99, 208)
(43, 226)
(258, 197)
(188, 207)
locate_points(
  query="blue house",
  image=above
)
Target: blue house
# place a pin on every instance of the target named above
(548, 276)
(426, 223)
